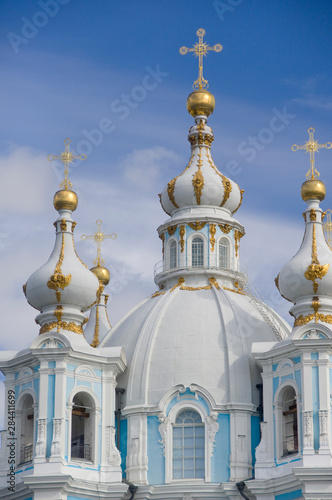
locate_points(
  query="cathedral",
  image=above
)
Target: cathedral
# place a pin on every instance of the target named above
(201, 391)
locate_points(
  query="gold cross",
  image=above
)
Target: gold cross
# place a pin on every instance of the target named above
(99, 236)
(312, 147)
(327, 226)
(66, 158)
(200, 49)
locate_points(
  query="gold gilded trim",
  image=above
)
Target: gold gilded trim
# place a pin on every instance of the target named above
(304, 216)
(226, 182)
(63, 225)
(156, 294)
(171, 230)
(198, 179)
(95, 340)
(181, 281)
(239, 291)
(225, 228)
(72, 327)
(237, 236)
(162, 237)
(171, 184)
(196, 226)
(315, 270)
(182, 232)
(312, 215)
(212, 238)
(25, 289)
(81, 261)
(237, 208)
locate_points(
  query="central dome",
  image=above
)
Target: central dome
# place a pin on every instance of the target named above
(201, 337)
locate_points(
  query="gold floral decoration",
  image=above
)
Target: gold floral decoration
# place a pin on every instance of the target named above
(63, 225)
(313, 216)
(237, 236)
(315, 270)
(304, 320)
(304, 216)
(171, 230)
(212, 236)
(225, 228)
(58, 280)
(226, 182)
(25, 289)
(198, 179)
(196, 226)
(182, 232)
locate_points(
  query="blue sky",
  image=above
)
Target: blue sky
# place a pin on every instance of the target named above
(109, 75)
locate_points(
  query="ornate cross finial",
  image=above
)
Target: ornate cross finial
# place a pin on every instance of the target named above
(99, 236)
(312, 147)
(200, 49)
(66, 158)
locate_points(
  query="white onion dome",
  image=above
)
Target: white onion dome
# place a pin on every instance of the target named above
(201, 183)
(98, 325)
(63, 288)
(306, 280)
(194, 335)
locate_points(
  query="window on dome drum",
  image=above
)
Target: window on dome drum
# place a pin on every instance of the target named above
(197, 252)
(289, 422)
(81, 428)
(27, 425)
(224, 253)
(188, 446)
(173, 255)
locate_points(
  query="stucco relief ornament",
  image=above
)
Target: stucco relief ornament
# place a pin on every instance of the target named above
(41, 439)
(213, 428)
(262, 449)
(323, 424)
(114, 457)
(163, 428)
(56, 446)
(308, 433)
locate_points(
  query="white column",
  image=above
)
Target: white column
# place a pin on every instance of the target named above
(137, 460)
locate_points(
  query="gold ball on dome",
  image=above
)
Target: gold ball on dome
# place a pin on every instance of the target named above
(200, 102)
(102, 274)
(313, 189)
(65, 200)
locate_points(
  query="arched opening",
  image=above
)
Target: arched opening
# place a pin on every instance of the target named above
(173, 255)
(188, 446)
(197, 252)
(81, 427)
(224, 253)
(27, 426)
(290, 441)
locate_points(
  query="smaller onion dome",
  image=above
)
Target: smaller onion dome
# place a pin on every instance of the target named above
(307, 278)
(201, 183)
(63, 288)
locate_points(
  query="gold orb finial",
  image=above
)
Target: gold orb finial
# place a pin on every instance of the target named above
(313, 189)
(102, 274)
(200, 102)
(65, 199)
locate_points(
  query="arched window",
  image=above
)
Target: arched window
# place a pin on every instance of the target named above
(289, 422)
(173, 254)
(26, 434)
(188, 446)
(197, 252)
(224, 259)
(81, 427)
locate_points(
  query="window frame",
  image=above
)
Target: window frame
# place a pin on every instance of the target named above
(190, 253)
(174, 412)
(279, 421)
(93, 425)
(229, 246)
(170, 242)
(19, 411)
